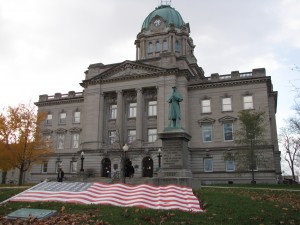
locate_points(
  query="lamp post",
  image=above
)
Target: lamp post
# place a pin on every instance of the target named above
(159, 158)
(82, 158)
(125, 149)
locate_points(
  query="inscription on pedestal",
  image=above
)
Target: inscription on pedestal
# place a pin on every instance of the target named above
(172, 156)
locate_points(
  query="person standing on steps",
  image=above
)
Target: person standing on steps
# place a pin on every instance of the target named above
(60, 175)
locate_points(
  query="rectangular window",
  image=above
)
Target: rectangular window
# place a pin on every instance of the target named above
(208, 165)
(112, 136)
(75, 140)
(131, 136)
(226, 104)
(177, 46)
(60, 141)
(228, 131)
(113, 111)
(230, 166)
(248, 102)
(49, 119)
(76, 118)
(73, 167)
(152, 108)
(45, 167)
(152, 135)
(207, 132)
(62, 118)
(132, 109)
(206, 108)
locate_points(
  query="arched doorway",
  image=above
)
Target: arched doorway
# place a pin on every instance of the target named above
(147, 167)
(106, 167)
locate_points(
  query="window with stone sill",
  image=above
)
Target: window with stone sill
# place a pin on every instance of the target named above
(76, 117)
(74, 140)
(113, 111)
(228, 131)
(112, 137)
(48, 119)
(62, 118)
(152, 108)
(248, 102)
(226, 104)
(208, 164)
(206, 106)
(73, 167)
(45, 167)
(132, 110)
(207, 132)
(230, 166)
(152, 135)
(131, 136)
(60, 140)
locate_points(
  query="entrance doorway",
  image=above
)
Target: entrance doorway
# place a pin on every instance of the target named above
(106, 167)
(147, 167)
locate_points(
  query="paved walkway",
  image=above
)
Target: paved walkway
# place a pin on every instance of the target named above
(253, 188)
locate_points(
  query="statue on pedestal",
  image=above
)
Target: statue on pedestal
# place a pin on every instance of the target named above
(174, 109)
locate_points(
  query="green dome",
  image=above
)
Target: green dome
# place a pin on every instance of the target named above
(169, 14)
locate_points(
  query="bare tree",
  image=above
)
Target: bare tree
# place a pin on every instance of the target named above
(291, 149)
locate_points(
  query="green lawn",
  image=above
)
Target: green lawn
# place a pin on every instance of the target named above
(224, 205)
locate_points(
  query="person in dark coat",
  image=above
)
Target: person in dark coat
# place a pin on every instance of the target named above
(60, 175)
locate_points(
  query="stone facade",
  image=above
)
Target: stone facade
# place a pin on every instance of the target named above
(126, 103)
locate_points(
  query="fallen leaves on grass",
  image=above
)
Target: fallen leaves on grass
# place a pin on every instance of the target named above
(62, 219)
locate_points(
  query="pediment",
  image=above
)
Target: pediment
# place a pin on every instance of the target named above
(227, 118)
(47, 131)
(75, 129)
(127, 69)
(206, 120)
(61, 130)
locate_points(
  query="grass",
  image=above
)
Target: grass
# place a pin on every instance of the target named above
(239, 205)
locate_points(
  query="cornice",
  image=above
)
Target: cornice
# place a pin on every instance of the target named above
(60, 101)
(228, 83)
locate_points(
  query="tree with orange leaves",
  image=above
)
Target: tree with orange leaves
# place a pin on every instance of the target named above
(21, 140)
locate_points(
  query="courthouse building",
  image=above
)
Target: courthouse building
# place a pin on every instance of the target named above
(126, 103)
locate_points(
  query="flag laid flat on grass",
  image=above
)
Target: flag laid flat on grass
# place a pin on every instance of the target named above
(167, 197)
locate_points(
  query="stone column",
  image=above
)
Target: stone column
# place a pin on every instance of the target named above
(139, 114)
(101, 120)
(119, 122)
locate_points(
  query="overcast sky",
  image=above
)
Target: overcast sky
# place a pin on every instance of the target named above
(46, 45)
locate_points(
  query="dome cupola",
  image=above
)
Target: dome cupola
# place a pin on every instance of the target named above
(165, 12)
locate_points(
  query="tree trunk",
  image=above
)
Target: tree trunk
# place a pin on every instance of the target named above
(21, 175)
(4, 174)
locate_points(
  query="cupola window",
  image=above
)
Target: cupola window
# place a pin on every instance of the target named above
(157, 46)
(165, 45)
(177, 46)
(150, 47)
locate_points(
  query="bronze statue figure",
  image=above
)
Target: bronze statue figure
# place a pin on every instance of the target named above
(174, 109)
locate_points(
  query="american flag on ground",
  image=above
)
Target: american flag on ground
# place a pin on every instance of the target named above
(147, 196)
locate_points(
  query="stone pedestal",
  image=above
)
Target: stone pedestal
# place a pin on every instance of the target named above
(175, 160)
